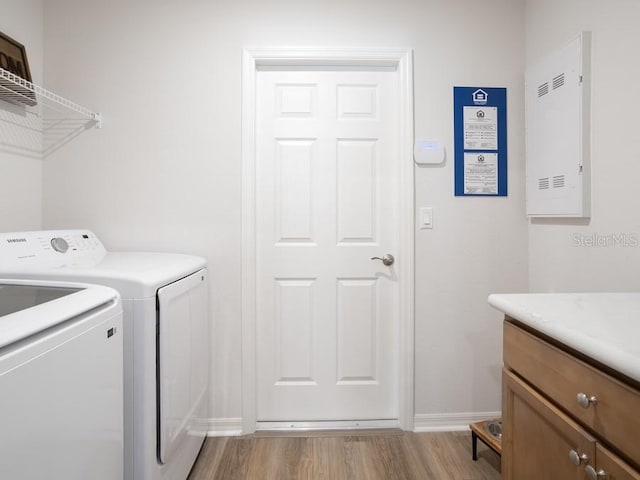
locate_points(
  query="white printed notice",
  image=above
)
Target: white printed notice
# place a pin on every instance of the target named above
(480, 128)
(481, 173)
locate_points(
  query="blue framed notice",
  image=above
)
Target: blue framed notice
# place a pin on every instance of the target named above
(480, 141)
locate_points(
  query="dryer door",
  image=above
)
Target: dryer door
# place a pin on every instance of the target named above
(183, 361)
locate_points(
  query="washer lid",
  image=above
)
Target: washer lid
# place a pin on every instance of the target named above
(14, 298)
(42, 255)
(29, 307)
(134, 275)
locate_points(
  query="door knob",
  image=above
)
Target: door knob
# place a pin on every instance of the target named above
(386, 259)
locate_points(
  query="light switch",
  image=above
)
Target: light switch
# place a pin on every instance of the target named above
(426, 217)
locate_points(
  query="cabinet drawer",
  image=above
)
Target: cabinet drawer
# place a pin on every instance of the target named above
(615, 416)
(613, 466)
(537, 437)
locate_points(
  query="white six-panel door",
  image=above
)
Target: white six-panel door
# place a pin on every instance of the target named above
(326, 202)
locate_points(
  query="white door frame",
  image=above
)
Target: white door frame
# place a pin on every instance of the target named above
(401, 60)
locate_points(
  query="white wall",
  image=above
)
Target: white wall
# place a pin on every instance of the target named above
(21, 175)
(164, 172)
(559, 260)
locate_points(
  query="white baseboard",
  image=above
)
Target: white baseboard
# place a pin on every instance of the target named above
(449, 422)
(224, 427)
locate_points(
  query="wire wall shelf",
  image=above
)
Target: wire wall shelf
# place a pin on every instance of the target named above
(36, 122)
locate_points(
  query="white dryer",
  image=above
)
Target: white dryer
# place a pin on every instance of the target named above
(60, 381)
(166, 332)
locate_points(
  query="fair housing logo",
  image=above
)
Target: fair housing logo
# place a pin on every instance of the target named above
(624, 240)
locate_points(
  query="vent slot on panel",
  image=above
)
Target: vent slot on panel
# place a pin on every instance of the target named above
(543, 89)
(558, 81)
(558, 181)
(543, 183)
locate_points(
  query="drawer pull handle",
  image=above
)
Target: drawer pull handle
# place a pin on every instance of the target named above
(593, 474)
(578, 458)
(584, 400)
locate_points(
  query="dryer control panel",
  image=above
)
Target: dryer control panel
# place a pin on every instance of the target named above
(50, 248)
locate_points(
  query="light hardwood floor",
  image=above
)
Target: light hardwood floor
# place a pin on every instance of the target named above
(381, 455)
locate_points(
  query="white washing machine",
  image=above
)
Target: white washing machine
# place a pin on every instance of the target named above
(60, 381)
(166, 331)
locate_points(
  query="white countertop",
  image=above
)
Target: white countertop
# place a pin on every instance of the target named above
(603, 326)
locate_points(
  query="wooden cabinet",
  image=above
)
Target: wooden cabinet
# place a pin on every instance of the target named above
(547, 433)
(537, 437)
(613, 466)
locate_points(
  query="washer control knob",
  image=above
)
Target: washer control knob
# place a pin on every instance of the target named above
(59, 244)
